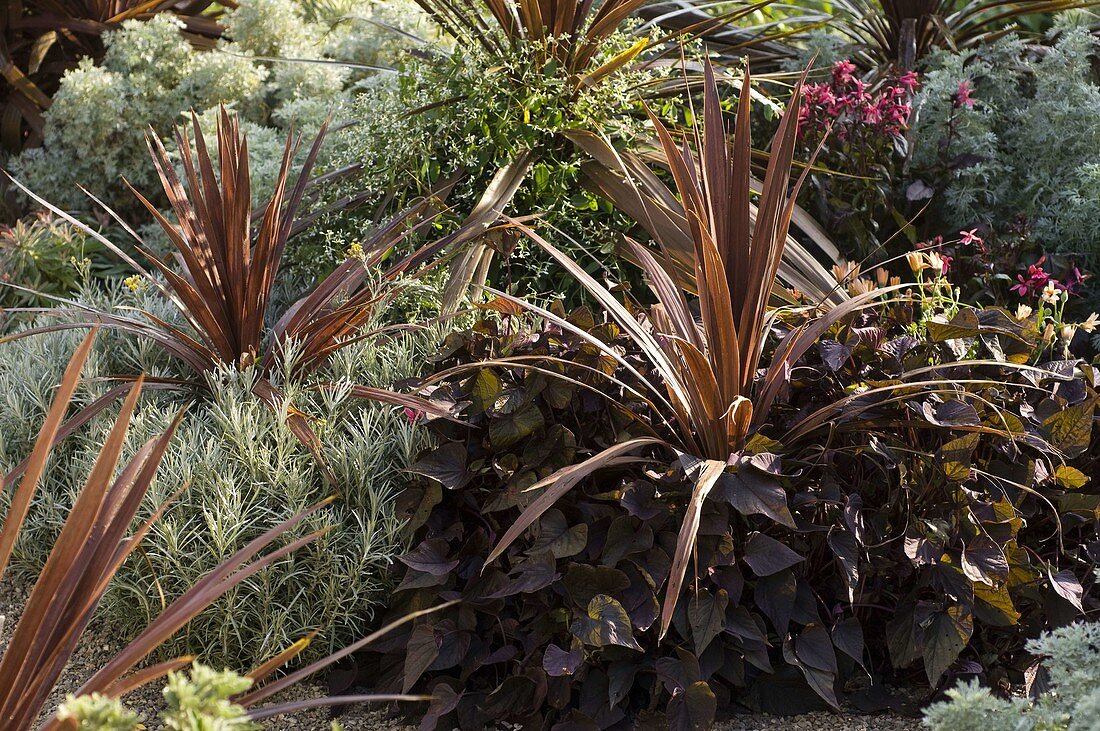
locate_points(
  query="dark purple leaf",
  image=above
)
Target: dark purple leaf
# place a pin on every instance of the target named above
(767, 556)
(846, 550)
(605, 623)
(693, 709)
(752, 493)
(446, 464)
(444, 701)
(558, 662)
(983, 561)
(848, 638)
(834, 354)
(775, 596)
(557, 537)
(707, 617)
(946, 633)
(1066, 585)
(420, 653)
(430, 557)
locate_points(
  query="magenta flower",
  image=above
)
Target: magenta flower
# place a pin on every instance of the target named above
(970, 237)
(1074, 280)
(1035, 280)
(910, 80)
(843, 72)
(964, 97)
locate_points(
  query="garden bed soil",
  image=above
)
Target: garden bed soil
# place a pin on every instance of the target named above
(101, 641)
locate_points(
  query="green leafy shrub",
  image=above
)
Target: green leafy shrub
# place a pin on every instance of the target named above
(46, 255)
(497, 104)
(198, 701)
(1063, 691)
(1002, 139)
(246, 469)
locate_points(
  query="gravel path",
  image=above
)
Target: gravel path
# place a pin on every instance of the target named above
(822, 722)
(102, 641)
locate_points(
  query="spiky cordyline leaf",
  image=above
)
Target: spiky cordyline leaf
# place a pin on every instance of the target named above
(901, 32)
(707, 366)
(224, 290)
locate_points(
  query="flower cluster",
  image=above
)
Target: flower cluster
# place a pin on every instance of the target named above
(847, 273)
(1036, 280)
(846, 104)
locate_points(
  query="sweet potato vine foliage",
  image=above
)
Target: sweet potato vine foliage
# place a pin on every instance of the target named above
(657, 511)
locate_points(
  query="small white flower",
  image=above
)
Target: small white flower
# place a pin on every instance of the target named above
(1090, 323)
(1023, 312)
(1051, 293)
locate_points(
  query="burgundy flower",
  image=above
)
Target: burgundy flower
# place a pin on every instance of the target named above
(964, 97)
(843, 72)
(1035, 280)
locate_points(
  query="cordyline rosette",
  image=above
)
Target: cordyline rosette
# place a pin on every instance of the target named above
(695, 366)
(707, 366)
(228, 270)
(94, 542)
(900, 33)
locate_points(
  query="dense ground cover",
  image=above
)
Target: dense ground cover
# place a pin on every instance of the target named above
(595, 365)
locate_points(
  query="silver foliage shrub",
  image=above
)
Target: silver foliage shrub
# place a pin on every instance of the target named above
(1029, 146)
(277, 66)
(247, 472)
(1072, 657)
(95, 127)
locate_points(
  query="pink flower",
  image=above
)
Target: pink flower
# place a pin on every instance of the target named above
(970, 237)
(964, 96)
(1037, 278)
(413, 415)
(910, 80)
(843, 72)
(1074, 280)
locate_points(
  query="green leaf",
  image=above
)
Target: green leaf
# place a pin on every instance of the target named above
(606, 623)
(483, 389)
(707, 616)
(506, 430)
(954, 457)
(994, 606)
(1070, 429)
(945, 637)
(1070, 478)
